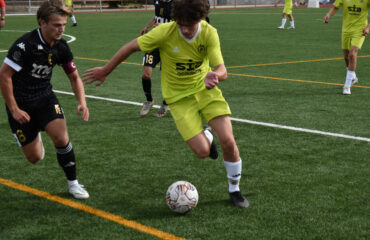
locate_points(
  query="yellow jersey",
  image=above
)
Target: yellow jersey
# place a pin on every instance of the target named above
(184, 62)
(69, 3)
(354, 14)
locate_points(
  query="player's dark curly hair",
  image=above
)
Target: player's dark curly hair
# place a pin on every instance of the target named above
(189, 11)
(50, 7)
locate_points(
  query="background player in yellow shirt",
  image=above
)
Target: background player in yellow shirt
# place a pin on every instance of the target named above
(287, 11)
(188, 46)
(354, 29)
(69, 3)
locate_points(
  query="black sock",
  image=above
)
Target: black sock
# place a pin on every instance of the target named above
(66, 159)
(147, 87)
(164, 102)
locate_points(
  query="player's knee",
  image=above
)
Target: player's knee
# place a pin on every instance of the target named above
(146, 76)
(228, 145)
(35, 158)
(202, 152)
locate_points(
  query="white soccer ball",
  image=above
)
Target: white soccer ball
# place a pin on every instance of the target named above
(182, 197)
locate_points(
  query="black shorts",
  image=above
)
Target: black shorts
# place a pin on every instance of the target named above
(151, 59)
(41, 112)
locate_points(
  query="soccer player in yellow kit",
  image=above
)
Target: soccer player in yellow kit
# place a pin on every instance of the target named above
(69, 3)
(188, 46)
(354, 29)
(287, 11)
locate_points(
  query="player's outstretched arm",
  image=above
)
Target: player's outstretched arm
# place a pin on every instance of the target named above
(277, 2)
(79, 91)
(332, 11)
(100, 74)
(148, 26)
(6, 85)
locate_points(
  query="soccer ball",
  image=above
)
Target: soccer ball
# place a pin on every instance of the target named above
(182, 197)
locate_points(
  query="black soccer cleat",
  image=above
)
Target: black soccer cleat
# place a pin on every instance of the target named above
(213, 152)
(238, 200)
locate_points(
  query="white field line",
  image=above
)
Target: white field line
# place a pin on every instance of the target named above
(297, 129)
(72, 38)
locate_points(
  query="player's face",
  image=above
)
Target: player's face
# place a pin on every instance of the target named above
(54, 29)
(188, 29)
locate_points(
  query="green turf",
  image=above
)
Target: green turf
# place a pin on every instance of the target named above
(300, 185)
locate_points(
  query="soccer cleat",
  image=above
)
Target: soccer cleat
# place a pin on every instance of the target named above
(213, 153)
(74, 25)
(346, 91)
(291, 28)
(146, 107)
(280, 27)
(238, 200)
(78, 191)
(354, 81)
(163, 110)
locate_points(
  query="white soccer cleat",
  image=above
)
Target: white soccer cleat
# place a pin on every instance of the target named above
(280, 27)
(291, 28)
(346, 91)
(146, 107)
(354, 81)
(78, 191)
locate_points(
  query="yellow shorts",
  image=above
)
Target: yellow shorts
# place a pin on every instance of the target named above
(287, 10)
(351, 39)
(189, 111)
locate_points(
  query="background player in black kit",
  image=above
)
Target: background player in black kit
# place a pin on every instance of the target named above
(162, 15)
(30, 102)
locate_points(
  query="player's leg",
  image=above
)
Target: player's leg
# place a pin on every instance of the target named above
(57, 130)
(283, 21)
(291, 21)
(351, 46)
(74, 21)
(34, 151)
(149, 64)
(28, 137)
(232, 161)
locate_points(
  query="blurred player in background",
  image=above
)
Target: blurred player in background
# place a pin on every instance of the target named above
(354, 29)
(287, 11)
(30, 102)
(188, 46)
(162, 15)
(70, 4)
(2, 13)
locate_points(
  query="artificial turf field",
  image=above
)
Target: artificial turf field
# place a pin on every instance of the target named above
(305, 147)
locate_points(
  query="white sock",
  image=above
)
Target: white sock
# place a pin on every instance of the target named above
(350, 75)
(292, 23)
(283, 21)
(208, 135)
(234, 173)
(73, 19)
(71, 183)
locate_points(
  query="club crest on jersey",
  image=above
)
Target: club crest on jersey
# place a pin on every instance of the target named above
(201, 48)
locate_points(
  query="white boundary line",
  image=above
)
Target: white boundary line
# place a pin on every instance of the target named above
(238, 120)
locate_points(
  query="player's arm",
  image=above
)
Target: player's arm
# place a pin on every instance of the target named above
(6, 85)
(148, 26)
(101, 73)
(332, 11)
(2, 15)
(277, 2)
(218, 74)
(79, 91)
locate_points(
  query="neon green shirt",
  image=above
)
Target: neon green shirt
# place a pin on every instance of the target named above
(184, 62)
(288, 3)
(68, 3)
(354, 14)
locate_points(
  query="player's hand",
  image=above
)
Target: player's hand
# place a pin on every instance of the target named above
(143, 31)
(365, 31)
(96, 74)
(326, 19)
(21, 116)
(211, 80)
(83, 111)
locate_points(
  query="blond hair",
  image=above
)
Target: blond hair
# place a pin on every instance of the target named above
(50, 7)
